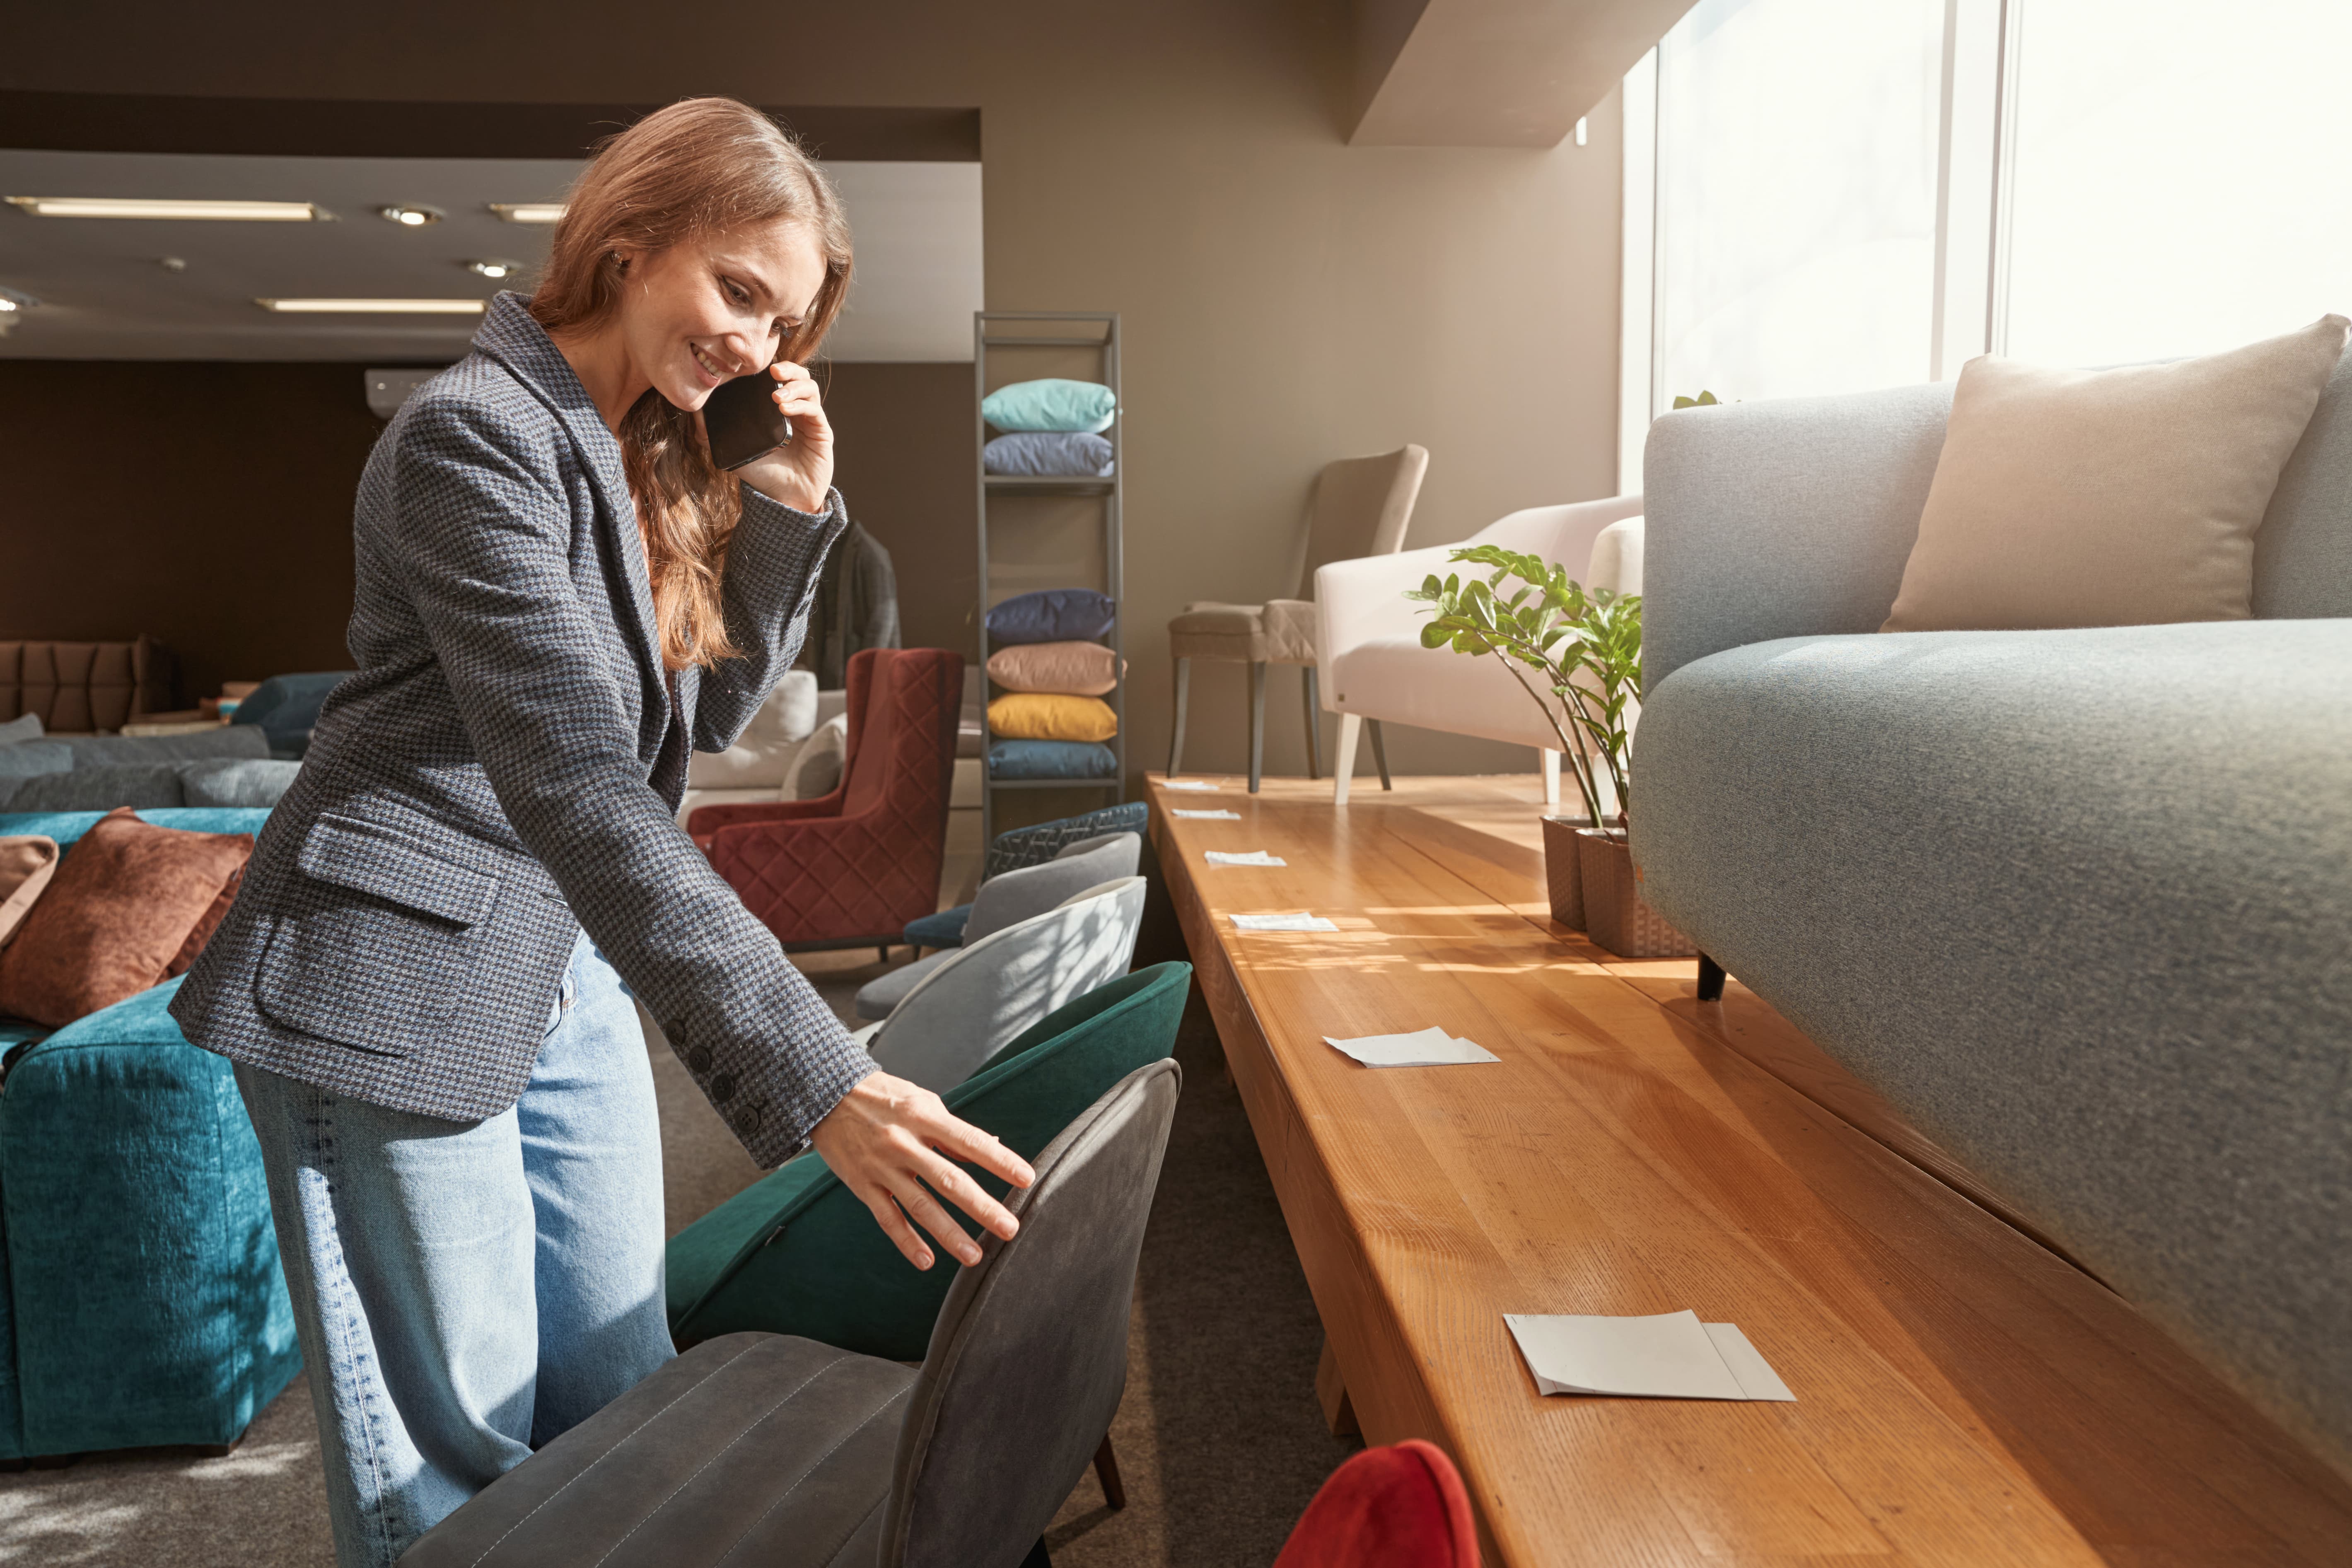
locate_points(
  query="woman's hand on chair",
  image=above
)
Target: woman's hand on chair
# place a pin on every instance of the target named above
(799, 472)
(894, 1144)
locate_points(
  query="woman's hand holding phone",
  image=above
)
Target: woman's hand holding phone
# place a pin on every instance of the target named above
(799, 474)
(895, 1143)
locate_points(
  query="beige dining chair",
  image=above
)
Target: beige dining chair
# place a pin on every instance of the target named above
(1360, 506)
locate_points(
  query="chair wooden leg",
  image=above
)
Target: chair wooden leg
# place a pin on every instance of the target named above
(1176, 736)
(1106, 1472)
(1343, 765)
(1314, 723)
(1379, 753)
(1551, 778)
(1257, 721)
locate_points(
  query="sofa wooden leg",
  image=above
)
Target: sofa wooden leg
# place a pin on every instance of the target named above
(1176, 735)
(1379, 753)
(1710, 979)
(1257, 721)
(1106, 1472)
(1551, 778)
(1343, 765)
(1314, 725)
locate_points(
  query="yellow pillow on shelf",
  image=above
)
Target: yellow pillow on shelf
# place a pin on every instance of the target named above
(1051, 716)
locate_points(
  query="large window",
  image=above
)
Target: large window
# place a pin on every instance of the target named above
(1828, 195)
(1796, 216)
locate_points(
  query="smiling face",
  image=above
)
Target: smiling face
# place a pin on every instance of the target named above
(710, 308)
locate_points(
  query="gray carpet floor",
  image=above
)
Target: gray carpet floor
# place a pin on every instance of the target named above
(1219, 1440)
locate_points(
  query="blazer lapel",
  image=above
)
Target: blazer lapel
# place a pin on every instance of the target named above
(510, 334)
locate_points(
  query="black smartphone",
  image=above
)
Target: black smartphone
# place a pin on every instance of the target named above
(743, 422)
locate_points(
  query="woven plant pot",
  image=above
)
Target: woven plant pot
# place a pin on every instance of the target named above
(1615, 914)
(1564, 869)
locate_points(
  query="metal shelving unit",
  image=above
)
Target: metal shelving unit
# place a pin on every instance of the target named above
(999, 331)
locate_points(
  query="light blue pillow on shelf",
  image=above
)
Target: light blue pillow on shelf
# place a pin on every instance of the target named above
(1050, 404)
(26, 758)
(23, 727)
(1052, 615)
(1052, 760)
(1049, 454)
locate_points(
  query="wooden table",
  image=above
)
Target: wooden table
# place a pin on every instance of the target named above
(1965, 1396)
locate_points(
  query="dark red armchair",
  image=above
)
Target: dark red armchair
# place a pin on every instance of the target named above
(850, 869)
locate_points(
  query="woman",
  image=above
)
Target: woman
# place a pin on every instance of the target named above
(557, 595)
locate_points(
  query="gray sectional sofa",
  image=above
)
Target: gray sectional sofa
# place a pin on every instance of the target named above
(2078, 903)
(228, 765)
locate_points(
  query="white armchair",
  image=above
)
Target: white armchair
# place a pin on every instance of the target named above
(1367, 635)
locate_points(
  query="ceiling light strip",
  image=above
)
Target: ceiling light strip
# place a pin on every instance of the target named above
(143, 207)
(372, 306)
(529, 211)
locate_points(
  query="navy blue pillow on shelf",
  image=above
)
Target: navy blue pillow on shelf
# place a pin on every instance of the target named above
(1052, 615)
(1009, 759)
(1041, 453)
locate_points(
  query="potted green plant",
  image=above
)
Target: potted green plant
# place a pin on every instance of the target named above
(1577, 655)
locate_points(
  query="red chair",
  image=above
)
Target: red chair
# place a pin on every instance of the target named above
(1401, 1506)
(850, 869)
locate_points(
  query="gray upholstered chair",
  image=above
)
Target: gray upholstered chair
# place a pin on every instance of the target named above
(956, 1017)
(1010, 899)
(1360, 506)
(758, 1448)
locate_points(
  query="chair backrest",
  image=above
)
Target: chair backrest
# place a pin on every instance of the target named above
(902, 733)
(1615, 562)
(1017, 847)
(1019, 895)
(962, 1013)
(1029, 1357)
(1398, 1507)
(807, 1255)
(1360, 506)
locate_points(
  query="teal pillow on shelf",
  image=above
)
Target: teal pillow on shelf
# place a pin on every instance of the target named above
(1050, 404)
(1052, 760)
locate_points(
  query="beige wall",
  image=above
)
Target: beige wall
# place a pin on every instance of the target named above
(1287, 298)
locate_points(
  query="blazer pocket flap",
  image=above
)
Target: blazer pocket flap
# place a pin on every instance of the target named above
(371, 859)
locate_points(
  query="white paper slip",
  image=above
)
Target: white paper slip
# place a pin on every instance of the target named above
(1205, 816)
(1282, 922)
(1670, 1357)
(1255, 857)
(1432, 1047)
(1185, 784)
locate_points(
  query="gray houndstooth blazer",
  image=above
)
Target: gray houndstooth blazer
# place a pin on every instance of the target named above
(505, 768)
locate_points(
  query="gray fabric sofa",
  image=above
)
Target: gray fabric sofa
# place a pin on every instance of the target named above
(2078, 903)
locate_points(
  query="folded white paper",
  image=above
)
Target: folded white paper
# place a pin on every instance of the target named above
(1670, 1357)
(1205, 816)
(1186, 784)
(1282, 922)
(1255, 857)
(1432, 1047)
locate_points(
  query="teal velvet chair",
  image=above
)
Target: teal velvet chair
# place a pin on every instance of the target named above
(141, 1298)
(797, 1253)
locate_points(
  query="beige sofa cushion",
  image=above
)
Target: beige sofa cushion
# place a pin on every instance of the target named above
(2109, 498)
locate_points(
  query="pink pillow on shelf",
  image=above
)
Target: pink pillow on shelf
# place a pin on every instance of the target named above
(1079, 669)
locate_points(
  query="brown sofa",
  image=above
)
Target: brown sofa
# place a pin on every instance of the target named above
(78, 688)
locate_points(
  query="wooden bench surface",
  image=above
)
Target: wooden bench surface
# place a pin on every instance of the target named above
(1965, 1396)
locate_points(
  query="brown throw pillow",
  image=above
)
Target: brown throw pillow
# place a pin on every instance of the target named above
(206, 924)
(116, 914)
(2109, 498)
(26, 863)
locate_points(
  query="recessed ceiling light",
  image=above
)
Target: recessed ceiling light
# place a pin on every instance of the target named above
(493, 268)
(410, 217)
(372, 306)
(529, 211)
(175, 207)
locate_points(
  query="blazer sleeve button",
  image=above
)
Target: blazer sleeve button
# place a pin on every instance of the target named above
(698, 1059)
(722, 1088)
(747, 1119)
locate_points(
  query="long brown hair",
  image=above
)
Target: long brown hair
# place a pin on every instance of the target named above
(703, 165)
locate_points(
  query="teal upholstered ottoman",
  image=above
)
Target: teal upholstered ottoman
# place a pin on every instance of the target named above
(140, 1297)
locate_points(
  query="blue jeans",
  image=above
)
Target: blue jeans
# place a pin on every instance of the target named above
(465, 1291)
